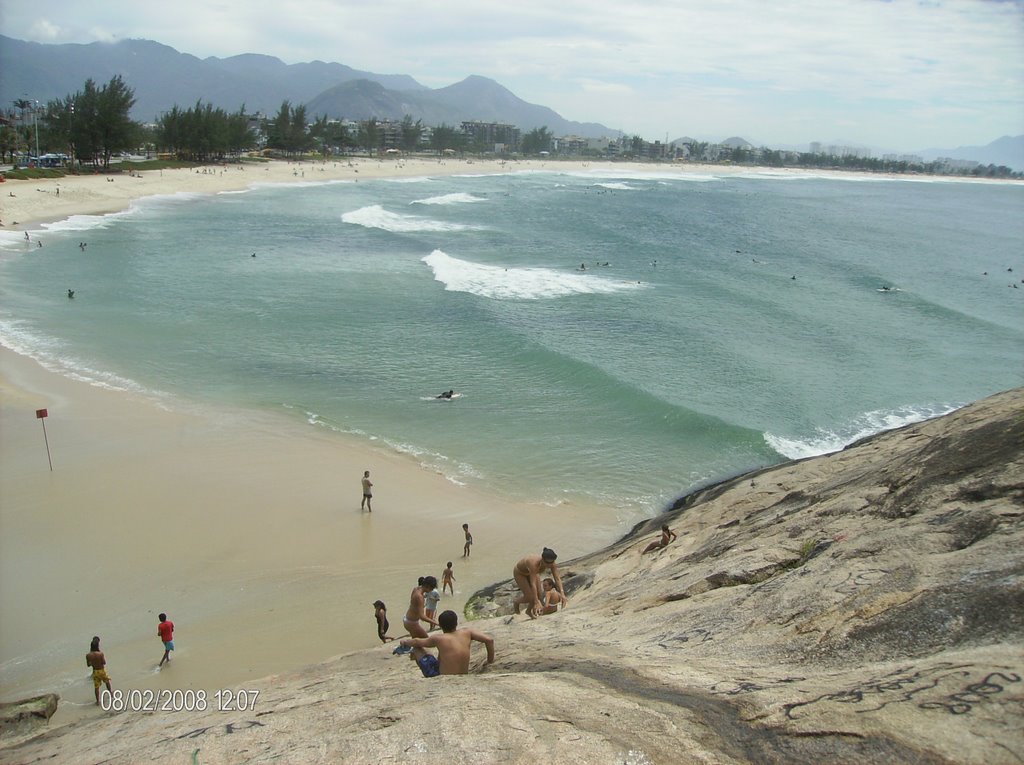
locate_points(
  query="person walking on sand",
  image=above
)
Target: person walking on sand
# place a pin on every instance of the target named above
(380, 613)
(165, 631)
(527, 575)
(453, 648)
(415, 615)
(367, 491)
(667, 535)
(469, 541)
(448, 579)
(98, 662)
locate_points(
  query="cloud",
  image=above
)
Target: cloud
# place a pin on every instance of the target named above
(45, 31)
(881, 64)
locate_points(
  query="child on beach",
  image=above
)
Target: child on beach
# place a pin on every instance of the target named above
(447, 579)
(380, 613)
(165, 631)
(98, 662)
(469, 541)
(552, 597)
(430, 601)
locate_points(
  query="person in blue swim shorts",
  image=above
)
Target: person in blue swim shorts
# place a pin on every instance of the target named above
(453, 648)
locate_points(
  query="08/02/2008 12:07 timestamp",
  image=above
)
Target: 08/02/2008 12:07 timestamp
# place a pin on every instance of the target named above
(166, 700)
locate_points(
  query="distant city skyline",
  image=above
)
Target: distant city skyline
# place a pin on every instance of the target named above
(901, 75)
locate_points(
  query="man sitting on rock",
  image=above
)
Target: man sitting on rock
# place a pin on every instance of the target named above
(453, 648)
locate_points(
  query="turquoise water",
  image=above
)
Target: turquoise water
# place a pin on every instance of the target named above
(692, 355)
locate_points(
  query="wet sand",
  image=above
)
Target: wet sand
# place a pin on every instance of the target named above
(244, 528)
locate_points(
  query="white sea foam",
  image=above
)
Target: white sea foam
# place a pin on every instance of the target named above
(296, 184)
(88, 222)
(449, 199)
(626, 174)
(51, 355)
(618, 186)
(825, 441)
(13, 240)
(516, 283)
(414, 179)
(454, 471)
(376, 216)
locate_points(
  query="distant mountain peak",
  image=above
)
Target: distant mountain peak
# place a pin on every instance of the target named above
(163, 77)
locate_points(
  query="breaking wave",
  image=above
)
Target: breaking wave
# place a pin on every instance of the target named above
(376, 216)
(826, 441)
(516, 283)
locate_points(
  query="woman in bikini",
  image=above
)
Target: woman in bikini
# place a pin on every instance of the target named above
(413, 617)
(527, 575)
(667, 535)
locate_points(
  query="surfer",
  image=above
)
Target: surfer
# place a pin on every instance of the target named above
(447, 394)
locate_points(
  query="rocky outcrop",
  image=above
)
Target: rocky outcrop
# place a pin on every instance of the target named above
(19, 718)
(866, 606)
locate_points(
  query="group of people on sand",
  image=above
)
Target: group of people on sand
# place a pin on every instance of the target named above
(96, 660)
(540, 595)
(453, 644)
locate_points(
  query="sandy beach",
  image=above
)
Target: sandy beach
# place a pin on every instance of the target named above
(244, 528)
(26, 205)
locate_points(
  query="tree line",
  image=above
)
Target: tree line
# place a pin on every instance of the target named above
(93, 125)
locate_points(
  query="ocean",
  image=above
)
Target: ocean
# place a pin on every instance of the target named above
(616, 337)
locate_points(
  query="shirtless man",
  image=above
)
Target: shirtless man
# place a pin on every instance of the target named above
(98, 662)
(415, 614)
(453, 648)
(367, 491)
(527, 575)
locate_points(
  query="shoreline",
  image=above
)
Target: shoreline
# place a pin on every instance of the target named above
(244, 527)
(32, 205)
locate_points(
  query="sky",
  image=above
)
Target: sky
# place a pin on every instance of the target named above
(898, 75)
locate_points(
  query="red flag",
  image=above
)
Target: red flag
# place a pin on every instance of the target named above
(40, 414)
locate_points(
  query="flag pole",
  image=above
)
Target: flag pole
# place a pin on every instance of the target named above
(41, 414)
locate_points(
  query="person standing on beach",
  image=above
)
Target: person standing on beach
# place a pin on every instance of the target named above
(165, 631)
(367, 491)
(430, 601)
(98, 662)
(527, 575)
(469, 541)
(380, 613)
(415, 614)
(453, 648)
(448, 579)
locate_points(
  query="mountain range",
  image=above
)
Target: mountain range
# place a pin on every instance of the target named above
(162, 77)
